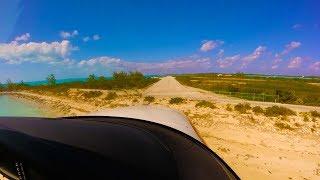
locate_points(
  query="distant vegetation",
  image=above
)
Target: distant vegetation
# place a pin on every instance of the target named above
(206, 104)
(257, 110)
(111, 96)
(176, 100)
(119, 80)
(278, 111)
(149, 99)
(242, 107)
(91, 94)
(292, 90)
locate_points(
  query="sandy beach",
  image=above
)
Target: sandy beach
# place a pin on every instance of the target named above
(250, 143)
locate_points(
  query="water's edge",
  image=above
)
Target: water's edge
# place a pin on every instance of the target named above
(13, 106)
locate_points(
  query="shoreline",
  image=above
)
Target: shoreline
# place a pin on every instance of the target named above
(251, 144)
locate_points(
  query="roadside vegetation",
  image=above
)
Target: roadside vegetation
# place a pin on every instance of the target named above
(149, 99)
(176, 100)
(274, 111)
(290, 90)
(111, 96)
(91, 94)
(206, 104)
(242, 107)
(257, 110)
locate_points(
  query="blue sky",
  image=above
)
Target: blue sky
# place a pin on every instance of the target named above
(74, 39)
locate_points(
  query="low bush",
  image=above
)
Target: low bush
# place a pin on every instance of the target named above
(282, 126)
(149, 99)
(229, 108)
(278, 111)
(315, 113)
(257, 110)
(111, 95)
(242, 107)
(205, 104)
(91, 94)
(176, 100)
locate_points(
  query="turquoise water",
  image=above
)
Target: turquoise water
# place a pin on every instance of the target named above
(13, 107)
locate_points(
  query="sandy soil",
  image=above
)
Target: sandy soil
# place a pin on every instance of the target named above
(251, 144)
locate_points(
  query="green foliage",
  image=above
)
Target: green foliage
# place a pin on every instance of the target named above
(278, 111)
(149, 99)
(286, 96)
(91, 94)
(315, 113)
(257, 87)
(176, 100)
(111, 96)
(51, 80)
(242, 107)
(205, 104)
(91, 80)
(257, 110)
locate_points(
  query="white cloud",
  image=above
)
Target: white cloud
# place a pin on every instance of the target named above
(315, 66)
(276, 61)
(86, 39)
(67, 35)
(227, 61)
(295, 62)
(23, 37)
(296, 26)
(220, 53)
(256, 54)
(96, 37)
(172, 66)
(291, 46)
(209, 45)
(16, 53)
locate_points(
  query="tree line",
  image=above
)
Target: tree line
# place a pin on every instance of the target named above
(119, 80)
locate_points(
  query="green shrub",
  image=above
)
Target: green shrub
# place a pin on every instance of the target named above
(257, 110)
(242, 107)
(205, 104)
(315, 113)
(278, 111)
(149, 99)
(176, 100)
(111, 95)
(91, 94)
(286, 96)
(282, 126)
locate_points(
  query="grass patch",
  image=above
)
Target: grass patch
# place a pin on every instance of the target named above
(292, 90)
(257, 110)
(91, 94)
(206, 104)
(283, 126)
(315, 113)
(111, 96)
(242, 107)
(274, 111)
(176, 100)
(149, 99)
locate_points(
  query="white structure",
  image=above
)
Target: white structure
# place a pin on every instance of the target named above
(157, 114)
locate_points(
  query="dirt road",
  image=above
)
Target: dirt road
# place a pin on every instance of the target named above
(169, 87)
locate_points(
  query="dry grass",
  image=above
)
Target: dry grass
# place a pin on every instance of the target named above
(274, 111)
(242, 107)
(205, 104)
(176, 100)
